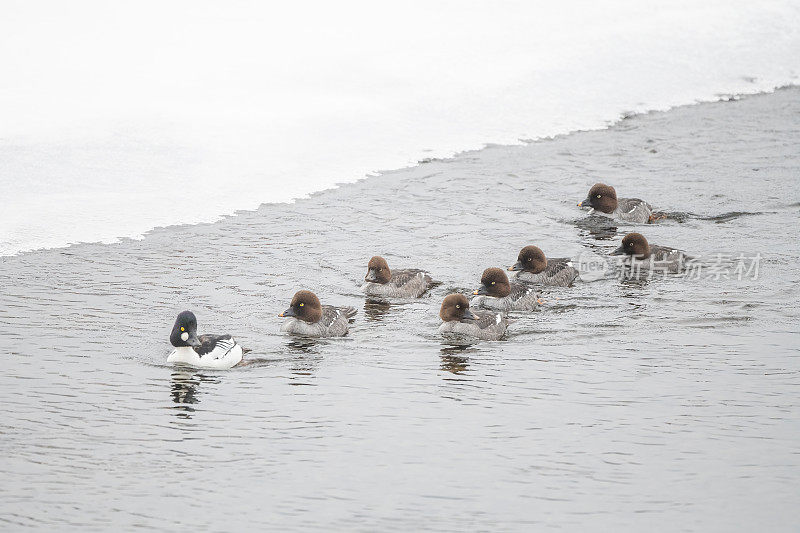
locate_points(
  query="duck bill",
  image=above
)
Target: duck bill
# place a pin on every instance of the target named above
(586, 204)
(289, 312)
(516, 266)
(468, 315)
(193, 340)
(619, 251)
(371, 276)
(481, 291)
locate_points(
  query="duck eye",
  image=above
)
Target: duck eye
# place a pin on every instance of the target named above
(630, 244)
(458, 307)
(302, 304)
(182, 329)
(529, 259)
(493, 283)
(599, 195)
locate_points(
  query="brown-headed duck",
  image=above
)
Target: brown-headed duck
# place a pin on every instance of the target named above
(458, 320)
(307, 317)
(603, 200)
(639, 253)
(497, 294)
(534, 267)
(400, 283)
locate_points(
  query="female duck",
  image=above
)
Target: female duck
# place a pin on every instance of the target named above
(603, 199)
(534, 267)
(405, 283)
(497, 294)
(457, 319)
(640, 254)
(307, 317)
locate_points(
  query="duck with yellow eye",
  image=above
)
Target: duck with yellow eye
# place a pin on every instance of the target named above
(219, 352)
(381, 281)
(496, 293)
(458, 320)
(638, 253)
(534, 267)
(309, 318)
(602, 200)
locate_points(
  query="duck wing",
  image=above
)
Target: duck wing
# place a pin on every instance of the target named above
(487, 319)
(407, 275)
(560, 271)
(215, 346)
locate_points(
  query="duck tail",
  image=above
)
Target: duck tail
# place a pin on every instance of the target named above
(349, 312)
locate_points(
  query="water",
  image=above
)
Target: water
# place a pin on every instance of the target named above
(118, 119)
(662, 405)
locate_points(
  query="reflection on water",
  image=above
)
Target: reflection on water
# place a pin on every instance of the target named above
(376, 310)
(305, 358)
(304, 345)
(599, 227)
(455, 358)
(631, 280)
(575, 417)
(185, 384)
(302, 370)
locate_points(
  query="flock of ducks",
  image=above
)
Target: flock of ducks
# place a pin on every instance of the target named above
(485, 317)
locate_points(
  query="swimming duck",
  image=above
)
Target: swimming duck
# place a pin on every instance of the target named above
(206, 351)
(534, 267)
(497, 294)
(603, 199)
(404, 283)
(309, 318)
(640, 254)
(457, 319)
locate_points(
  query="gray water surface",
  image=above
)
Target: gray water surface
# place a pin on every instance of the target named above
(661, 405)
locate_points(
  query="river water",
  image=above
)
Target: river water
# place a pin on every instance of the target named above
(247, 102)
(664, 404)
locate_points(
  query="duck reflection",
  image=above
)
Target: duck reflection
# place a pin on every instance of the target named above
(303, 345)
(306, 359)
(599, 227)
(376, 310)
(629, 277)
(632, 287)
(455, 358)
(184, 390)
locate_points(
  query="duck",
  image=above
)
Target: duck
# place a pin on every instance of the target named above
(309, 318)
(219, 352)
(643, 255)
(603, 200)
(534, 267)
(380, 281)
(497, 294)
(459, 320)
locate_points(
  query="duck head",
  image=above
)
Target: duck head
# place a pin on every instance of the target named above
(530, 259)
(455, 307)
(634, 244)
(378, 270)
(601, 197)
(494, 282)
(184, 332)
(305, 306)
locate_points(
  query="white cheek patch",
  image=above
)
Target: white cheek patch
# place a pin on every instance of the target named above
(184, 336)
